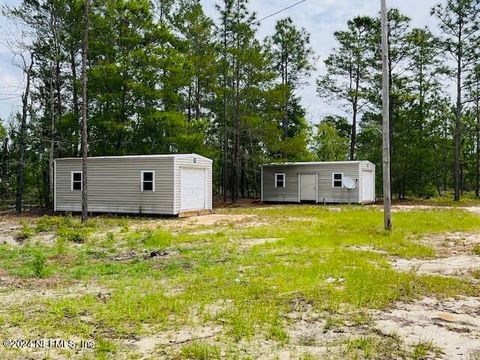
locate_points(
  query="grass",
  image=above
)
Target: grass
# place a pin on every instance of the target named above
(446, 199)
(210, 274)
(476, 250)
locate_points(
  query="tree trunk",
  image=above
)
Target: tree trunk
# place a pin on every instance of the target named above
(21, 141)
(4, 160)
(85, 114)
(197, 98)
(225, 112)
(458, 126)
(353, 142)
(477, 157)
(189, 106)
(236, 138)
(50, 176)
(76, 111)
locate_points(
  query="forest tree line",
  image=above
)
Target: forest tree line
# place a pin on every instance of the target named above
(163, 77)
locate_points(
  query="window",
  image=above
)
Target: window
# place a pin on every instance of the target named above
(337, 180)
(148, 180)
(280, 180)
(76, 181)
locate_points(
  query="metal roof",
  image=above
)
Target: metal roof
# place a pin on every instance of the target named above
(137, 157)
(319, 163)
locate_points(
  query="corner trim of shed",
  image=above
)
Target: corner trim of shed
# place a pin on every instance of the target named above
(261, 183)
(54, 185)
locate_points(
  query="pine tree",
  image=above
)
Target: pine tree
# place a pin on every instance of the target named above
(349, 70)
(459, 21)
(292, 60)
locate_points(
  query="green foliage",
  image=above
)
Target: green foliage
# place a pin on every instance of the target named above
(423, 351)
(3, 131)
(168, 78)
(157, 239)
(225, 276)
(329, 145)
(38, 264)
(200, 351)
(476, 250)
(34, 264)
(26, 231)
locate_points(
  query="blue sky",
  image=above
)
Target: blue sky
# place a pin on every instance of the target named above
(319, 17)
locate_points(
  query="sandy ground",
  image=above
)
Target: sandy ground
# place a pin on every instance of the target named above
(400, 208)
(455, 256)
(452, 325)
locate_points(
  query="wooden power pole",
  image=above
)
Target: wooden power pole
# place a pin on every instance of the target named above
(387, 195)
(85, 113)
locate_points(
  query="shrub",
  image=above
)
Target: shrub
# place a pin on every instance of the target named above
(476, 250)
(157, 239)
(26, 231)
(200, 351)
(74, 234)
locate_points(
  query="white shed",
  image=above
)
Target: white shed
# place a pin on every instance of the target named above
(319, 182)
(143, 184)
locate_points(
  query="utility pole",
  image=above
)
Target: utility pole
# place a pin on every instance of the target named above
(387, 195)
(85, 113)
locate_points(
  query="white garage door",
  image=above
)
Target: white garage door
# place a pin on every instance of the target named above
(194, 189)
(368, 186)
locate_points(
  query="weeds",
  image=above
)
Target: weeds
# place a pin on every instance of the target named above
(26, 231)
(260, 284)
(476, 250)
(424, 350)
(201, 351)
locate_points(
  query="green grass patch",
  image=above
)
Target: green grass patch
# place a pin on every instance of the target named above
(476, 250)
(201, 351)
(223, 274)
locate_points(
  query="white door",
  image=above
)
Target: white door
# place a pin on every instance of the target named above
(367, 186)
(194, 189)
(308, 187)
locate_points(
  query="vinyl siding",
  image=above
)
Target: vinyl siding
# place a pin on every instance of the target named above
(114, 185)
(187, 161)
(326, 192)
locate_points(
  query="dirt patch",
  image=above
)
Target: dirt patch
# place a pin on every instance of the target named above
(248, 243)
(452, 325)
(472, 209)
(452, 266)
(144, 255)
(405, 208)
(9, 229)
(367, 248)
(14, 292)
(455, 255)
(147, 345)
(215, 219)
(452, 244)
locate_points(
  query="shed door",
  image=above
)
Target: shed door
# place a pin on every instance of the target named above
(308, 187)
(194, 188)
(367, 186)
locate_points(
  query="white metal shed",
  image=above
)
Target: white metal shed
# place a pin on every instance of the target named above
(141, 184)
(319, 182)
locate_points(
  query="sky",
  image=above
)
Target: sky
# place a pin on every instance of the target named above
(321, 18)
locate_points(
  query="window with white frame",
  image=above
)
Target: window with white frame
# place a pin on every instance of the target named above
(148, 180)
(76, 181)
(280, 181)
(337, 180)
